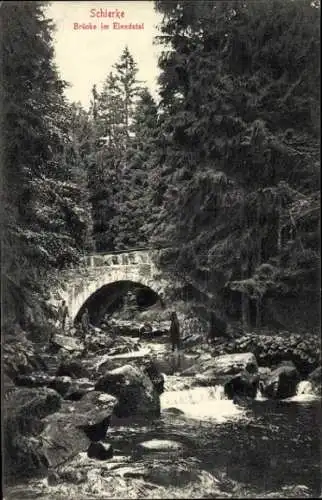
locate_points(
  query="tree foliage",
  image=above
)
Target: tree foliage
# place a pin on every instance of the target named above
(123, 123)
(240, 99)
(46, 214)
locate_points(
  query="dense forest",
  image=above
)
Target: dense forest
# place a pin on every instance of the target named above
(223, 171)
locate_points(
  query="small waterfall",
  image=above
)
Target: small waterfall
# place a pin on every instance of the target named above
(304, 387)
(259, 393)
(202, 403)
(304, 392)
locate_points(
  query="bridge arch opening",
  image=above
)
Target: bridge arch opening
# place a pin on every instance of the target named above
(122, 295)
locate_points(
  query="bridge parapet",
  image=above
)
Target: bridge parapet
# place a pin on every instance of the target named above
(117, 259)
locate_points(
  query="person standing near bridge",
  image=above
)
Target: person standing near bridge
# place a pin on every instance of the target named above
(174, 331)
(63, 314)
(85, 324)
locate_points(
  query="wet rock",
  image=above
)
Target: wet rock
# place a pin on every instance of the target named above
(71, 430)
(68, 343)
(79, 388)
(73, 368)
(51, 362)
(316, 375)
(230, 364)
(96, 432)
(175, 473)
(61, 439)
(155, 376)
(264, 372)
(65, 386)
(206, 379)
(315, 378)
(8, 385)
(98, 341)
(73, 476)
(145, 331)
(160, 445)
(192, 340)
(61, 384)
(23, 414)
(134, 390)
(206, 356)
(121, 349)
(242, 385)
(94, 407)
(191, 370)
(19, 356)
(53, 478)
(26, 406)
(100, 451)
(126, 327)
(212, 371)
(282, 382)
(34, 380)
(172, 411)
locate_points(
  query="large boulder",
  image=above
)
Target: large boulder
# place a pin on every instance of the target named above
(282, 382)
(216, 370)
(243, 385)
(7, 386)
(156, 377)
(231, 364)
(71, 344)
(209, 371)
(79, 388)
(66, 386)
(60, 384)
(23, 412)
(19, 356)
(135, 391)
(315, 378)
(99, 341)
(82, 422)
(316, 375)
(73, 368)
(37, 379)
(51, 361)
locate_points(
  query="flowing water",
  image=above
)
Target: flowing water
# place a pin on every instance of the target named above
(205, 446)
(263, 448)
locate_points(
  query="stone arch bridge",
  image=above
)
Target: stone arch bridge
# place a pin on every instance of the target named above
(100, 280)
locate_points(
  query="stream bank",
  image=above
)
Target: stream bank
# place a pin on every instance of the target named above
(200, 445)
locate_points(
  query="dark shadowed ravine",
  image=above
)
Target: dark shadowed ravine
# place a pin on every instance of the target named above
(210, 448)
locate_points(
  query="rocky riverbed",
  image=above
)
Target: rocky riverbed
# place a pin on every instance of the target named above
(116, 416)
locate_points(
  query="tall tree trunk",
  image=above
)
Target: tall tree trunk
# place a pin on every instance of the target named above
(258, 323)
(245, 297)
(279, 231)
(244, 272)
(245, 311)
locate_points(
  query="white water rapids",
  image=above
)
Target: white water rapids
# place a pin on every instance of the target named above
(202, 403)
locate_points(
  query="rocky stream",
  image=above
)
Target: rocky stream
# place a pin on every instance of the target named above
(118, 416)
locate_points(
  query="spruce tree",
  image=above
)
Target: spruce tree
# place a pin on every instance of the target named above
(140, 162)
(46, 213)
(112, 122)
(239, 88)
